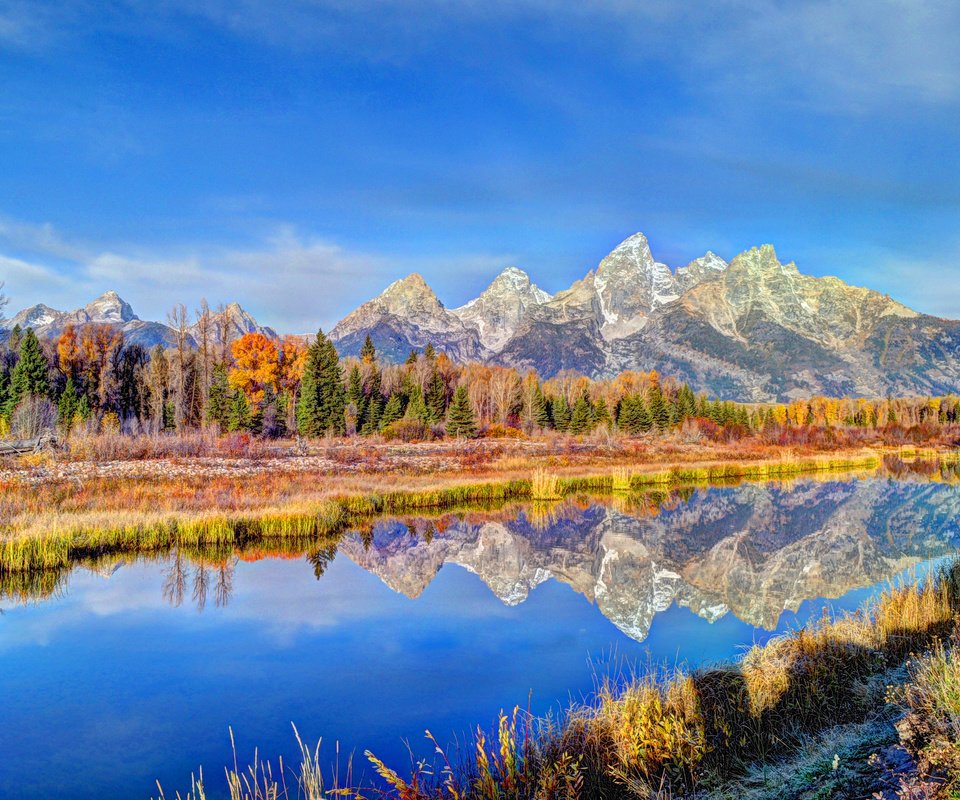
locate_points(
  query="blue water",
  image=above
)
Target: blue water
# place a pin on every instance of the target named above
(108, 687)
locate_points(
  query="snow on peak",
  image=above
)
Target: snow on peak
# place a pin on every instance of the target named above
(110, 307)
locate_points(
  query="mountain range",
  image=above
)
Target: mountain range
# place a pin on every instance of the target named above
(111, 309)
(751, 329)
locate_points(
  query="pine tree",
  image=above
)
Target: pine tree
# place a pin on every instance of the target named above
(392, 411)
(67, 405)
(581, 418)
(561, 414)
(460, 419)
(29, 377)
(412, 358)
(322, 402)
(601, 414)
(659, 412)
(429, 352)
(374, 403)
(417, 407)
(436, 397)
(218, 397)
(368, 353)
(239, 417)
(541, 410)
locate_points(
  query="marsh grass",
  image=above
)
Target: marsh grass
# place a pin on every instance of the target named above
(52, 540)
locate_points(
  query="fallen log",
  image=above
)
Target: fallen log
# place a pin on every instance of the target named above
(18, 447)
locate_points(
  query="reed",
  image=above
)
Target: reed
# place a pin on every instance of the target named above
(545, 486)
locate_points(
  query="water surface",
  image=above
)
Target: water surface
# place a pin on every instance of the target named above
(131, 671)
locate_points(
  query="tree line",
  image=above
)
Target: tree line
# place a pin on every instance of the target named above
(92, 379)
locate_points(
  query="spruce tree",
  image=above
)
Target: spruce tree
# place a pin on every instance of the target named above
(218, 397)
(659, 412)
(429, 352)
(561, 414)
(368, 353)
(374, 404)
(460, 419)
(412, 358)
(322, 402)
(67, 405)
(29, 377)
(240, 416)
(581, 418)
(601, 413)
(541, 410)
(392, 411)
(436, 397)
(417, 407)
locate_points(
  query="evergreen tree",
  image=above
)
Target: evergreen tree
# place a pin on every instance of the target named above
(240, 416)
(374, 404)
(368, 353)
(581, 418)
(67, 405)
(322, 402)
(417, 407)
(601, 413)
(15, 338)
(412, 358)
(561, 414)
(460, 419)
(541, 410)
(218, 398)
(392, 411)
(429, 352)
(659, 412)
(29, 376)
(436, 397)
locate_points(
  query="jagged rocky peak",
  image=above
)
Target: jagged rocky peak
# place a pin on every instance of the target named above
(502, 306)
(409, 295)
(705, 268)
(36, 316)
(110, 307)
(630, 284)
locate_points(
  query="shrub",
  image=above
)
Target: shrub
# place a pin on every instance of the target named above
(405, 430)
(33, 417)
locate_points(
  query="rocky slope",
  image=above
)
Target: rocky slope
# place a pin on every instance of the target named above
(754, 329)
(754, 551)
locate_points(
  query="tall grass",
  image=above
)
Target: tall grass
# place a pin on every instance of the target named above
(54, 540)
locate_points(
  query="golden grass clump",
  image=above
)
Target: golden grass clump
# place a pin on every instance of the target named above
(545, 486)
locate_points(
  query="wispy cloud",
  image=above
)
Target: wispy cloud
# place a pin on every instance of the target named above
(291, 281)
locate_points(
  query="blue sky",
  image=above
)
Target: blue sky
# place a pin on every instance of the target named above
(298, 157)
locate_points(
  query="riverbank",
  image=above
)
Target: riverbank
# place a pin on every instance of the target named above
(47, 525)
(861, 706)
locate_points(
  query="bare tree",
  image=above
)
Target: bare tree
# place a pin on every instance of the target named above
(3, 303)
(178, 320)
(204, 328)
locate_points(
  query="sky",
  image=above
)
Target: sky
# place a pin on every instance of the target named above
(297, 157)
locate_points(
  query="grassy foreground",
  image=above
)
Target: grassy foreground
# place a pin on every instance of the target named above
(52, 540)
(705, 733)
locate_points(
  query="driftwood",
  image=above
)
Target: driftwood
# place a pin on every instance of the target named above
(28, 445)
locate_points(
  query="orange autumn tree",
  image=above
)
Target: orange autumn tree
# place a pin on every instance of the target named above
(256, 366)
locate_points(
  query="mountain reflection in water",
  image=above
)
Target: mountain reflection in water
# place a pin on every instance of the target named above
(753, 550)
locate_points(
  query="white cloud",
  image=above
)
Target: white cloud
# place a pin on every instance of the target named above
(290, 281)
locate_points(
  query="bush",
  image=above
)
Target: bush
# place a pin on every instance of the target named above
(405, 430)
(33, 418)
(497, 431)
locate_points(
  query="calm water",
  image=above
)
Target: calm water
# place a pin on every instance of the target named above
(133, 671)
